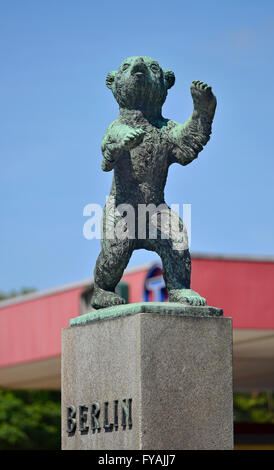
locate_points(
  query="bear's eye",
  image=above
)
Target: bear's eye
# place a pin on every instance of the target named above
(154, 67)
(125, 66)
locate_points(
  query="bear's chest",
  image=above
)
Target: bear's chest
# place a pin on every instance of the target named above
(149, 159)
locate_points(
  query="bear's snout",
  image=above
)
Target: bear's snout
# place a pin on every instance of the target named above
(139, 67)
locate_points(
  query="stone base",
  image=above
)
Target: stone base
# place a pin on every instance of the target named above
(148, 381)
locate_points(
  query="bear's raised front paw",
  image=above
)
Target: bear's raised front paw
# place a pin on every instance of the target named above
(187, 297)
(203, 97)
(132, 139)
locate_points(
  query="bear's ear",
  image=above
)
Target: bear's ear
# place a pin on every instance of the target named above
(169, 78)
(110, 79)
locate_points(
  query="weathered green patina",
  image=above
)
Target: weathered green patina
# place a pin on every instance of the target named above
(159, 308)
(140, 145)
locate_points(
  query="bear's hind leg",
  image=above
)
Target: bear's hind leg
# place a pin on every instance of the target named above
(109, 269)
(177, 272)
(175, 256)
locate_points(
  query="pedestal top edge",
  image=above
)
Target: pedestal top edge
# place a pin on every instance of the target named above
(160, 308)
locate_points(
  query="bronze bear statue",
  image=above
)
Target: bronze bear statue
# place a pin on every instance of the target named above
(140, 145)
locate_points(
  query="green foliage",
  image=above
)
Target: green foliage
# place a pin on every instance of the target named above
(30, 420)
(254, 407)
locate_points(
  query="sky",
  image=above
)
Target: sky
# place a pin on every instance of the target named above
(55, 108)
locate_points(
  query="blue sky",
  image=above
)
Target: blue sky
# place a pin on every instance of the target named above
(55, 107)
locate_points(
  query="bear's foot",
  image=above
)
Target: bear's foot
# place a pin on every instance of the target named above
(103, 298)
(186, 296)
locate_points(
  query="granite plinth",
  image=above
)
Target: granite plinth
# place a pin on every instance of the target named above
(148, 381)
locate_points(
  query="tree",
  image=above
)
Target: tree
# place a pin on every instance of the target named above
(30, 420)
(254, 407)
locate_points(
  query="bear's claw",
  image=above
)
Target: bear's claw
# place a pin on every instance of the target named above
(102, 299)
(187, 297)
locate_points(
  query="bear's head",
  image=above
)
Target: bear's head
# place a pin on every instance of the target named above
(140, 83)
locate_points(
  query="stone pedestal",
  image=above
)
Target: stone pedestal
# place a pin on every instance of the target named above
(136, 379)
